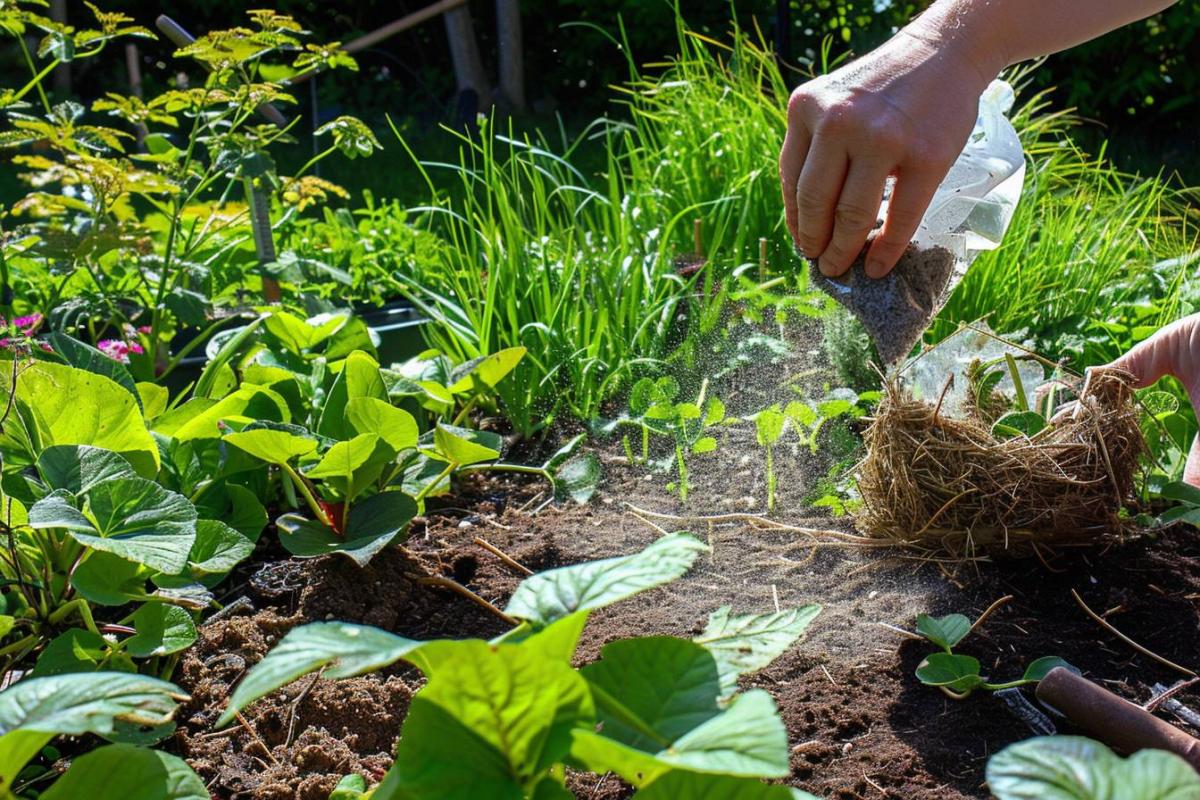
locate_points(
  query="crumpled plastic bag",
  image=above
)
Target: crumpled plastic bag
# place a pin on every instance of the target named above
(969, 214)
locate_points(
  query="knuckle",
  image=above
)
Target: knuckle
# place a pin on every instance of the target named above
(854, 217)
(810, 203)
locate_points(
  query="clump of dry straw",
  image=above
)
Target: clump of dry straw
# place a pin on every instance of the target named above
(949, 487)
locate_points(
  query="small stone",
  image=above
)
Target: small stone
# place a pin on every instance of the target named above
(873, 595)
(847, 747)
(329, 616)
(465, 524)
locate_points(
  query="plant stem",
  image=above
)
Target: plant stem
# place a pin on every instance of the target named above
(308, 495)
(79, 605)
(430, 486)
(770, 479)
(37, 76)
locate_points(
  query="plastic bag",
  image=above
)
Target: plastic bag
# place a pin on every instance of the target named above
(969, 214)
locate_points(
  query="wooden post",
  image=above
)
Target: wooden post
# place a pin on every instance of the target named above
(512, 61)
(62, 73)
(468, 64)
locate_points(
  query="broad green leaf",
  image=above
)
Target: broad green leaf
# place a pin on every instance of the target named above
(371, 526)
(394, 425)
(360, 377)
(705, 444)
(272, 446)
(768, 425)
(652, 690)
(681, 785)
(1075, 768)
(491, 720)
(688, 411)
(154, 398)
(129, 517)
(485, 372)
(76, 650)
(85, 703)
(714, 411)
(161, 630)
(342, 649)
(746, 739)
(77, 468)
(352, 466)
(1159, 404)
(234, 505)
(1018, 423)
(297, 335)
(126, 772)
(945, 631)
(563, 453)
(578, 478)
(110, 580)
(641, 396)
(958, 673)
(85, 357)
(1040, 667)
(555, 593)
(218, 548)
(455, 445)
(836, 407)
(247, 404)
(747, 643)
(1181, 492)
(74, 406)
(801, 413)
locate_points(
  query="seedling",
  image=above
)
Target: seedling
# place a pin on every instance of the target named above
(768, 428)
(654, 411)
(958, 675)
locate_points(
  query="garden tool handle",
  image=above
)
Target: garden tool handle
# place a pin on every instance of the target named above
(1120, 724)
(181, 38)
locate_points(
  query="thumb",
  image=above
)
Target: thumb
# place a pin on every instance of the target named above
(1168, 352)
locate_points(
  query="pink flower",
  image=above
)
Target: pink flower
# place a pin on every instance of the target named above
(27, 323)
(146, 329)
(134, 347)
(114, 349)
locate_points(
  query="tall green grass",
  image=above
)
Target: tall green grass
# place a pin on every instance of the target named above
(578, 268)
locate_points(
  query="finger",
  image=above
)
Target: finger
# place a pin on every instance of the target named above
(1191, 470)
(910, 200)
(791, 160)
(817, 192)
(855, 214)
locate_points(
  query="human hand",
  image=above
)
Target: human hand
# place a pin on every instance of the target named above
(1175, 351)
(903, 110)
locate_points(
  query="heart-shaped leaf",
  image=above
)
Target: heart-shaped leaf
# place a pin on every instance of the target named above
(1074, 768)
(556, 593)
(958, 673)
(394, 425)
(578, 478)
(133, 518)
(110, 580)
(161, 630)
(1040, 668)
(945, 632)
(272, 446)
(1018, 423)
(77, 468)
(371, 526)
(485, 372)
(456, 445)
(218, 549)
(79, 650)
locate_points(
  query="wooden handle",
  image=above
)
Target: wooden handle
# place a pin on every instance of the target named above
(1121, 725)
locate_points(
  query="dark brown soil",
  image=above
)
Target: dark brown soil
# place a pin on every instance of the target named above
(859, 723)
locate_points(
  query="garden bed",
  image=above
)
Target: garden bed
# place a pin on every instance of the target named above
(859, 724)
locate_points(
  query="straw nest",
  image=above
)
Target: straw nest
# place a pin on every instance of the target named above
(950, 488)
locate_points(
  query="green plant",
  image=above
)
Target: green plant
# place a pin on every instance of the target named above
(1075, 768)
(127, 248)
(661, 712)
(652, 404)
(113, 705)
(958, 675)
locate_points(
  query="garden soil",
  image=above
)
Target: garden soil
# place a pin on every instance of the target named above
(859, 724)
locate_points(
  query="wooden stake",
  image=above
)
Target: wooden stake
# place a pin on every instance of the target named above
(698, 238)
(762, 259)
